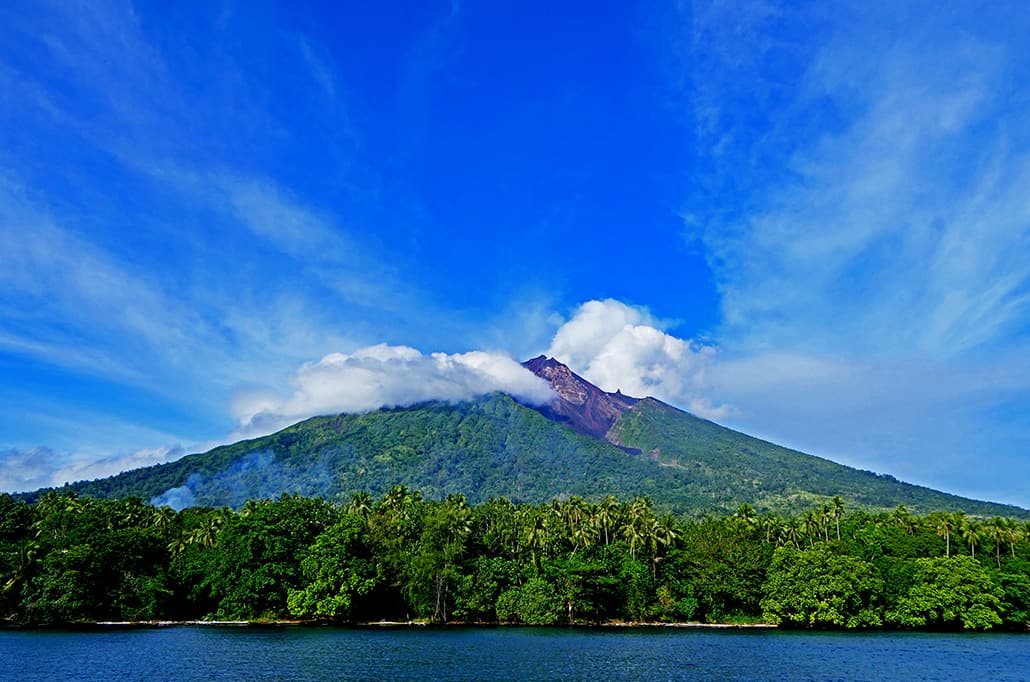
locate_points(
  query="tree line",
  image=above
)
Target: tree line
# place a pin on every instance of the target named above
(401, 557)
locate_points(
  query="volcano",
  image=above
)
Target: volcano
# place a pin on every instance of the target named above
(585, 442)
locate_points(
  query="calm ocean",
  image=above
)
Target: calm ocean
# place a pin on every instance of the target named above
(308, 653)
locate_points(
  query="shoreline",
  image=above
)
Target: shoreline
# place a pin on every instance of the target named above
(392, 624)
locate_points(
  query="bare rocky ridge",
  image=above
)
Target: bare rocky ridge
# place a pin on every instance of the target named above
(579, 404)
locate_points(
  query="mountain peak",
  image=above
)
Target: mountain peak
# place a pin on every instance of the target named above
(579, 404)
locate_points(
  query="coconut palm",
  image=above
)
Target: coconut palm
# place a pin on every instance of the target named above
(360, 504)
(536, 534)
(745, 514)
(637, 529)
(944, 525)
(790, 532)
(607, 516)
(901, 518)
(663, 534)
(1013, 534)
(634, 536)
(972, 532)
(812, 526)
(995, 529)
(21, 567)
(837, 510)
(163, 518)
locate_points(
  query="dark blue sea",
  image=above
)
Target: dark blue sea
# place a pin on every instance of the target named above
(308, 653)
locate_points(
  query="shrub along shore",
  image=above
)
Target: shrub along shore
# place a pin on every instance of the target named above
(402, 559)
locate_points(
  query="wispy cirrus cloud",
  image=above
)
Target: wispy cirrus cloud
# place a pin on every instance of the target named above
(880, 238)
(115, 262)
(70, 301)
(876, 268)
(41, 467)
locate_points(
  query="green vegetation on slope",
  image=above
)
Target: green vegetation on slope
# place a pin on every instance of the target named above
(71, 559)
(724, 467)
(488, 448)
(496, 447)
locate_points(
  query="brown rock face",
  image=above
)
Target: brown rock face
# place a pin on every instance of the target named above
(579, 404)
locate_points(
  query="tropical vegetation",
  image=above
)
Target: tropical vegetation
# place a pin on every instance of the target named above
(401, 557)
(496, 447)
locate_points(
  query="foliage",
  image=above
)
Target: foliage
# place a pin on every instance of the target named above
(816, 587)
(495, 447)
(261, 552)
(948, 592)
(534, 603)
(401, 556)
(338, 569)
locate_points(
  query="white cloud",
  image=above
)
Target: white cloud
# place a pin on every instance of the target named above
(40, 467)
(905, 228)
(385, 376)
(871, 250)
(619, 347)
(585, 336)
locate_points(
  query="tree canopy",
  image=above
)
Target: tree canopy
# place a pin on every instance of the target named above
(400, 556)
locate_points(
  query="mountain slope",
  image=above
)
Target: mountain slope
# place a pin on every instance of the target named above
(724, 465)
(486, 448)
(578, 403)
(496, 447)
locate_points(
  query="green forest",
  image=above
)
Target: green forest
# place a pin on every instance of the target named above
(495, 447)
(68, 559)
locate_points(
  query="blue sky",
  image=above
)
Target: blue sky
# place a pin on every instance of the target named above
(808, 221)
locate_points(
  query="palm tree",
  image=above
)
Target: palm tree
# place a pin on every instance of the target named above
(22, 566)
(769, 524)
(837, 509)
(902, 519)
(811, 524)
(634, 536)
(1013, 534)
(790, 532)
(360, 504)
(581, 538)
(607, 516)
(664, 533)
(163, 518)
(995, 530)
(395, 498)
(745, 514)
(179, 544)
(971, 531)
(206, 534)
(944, 525)
(576, 517)
(637, 528)
(536, 535)
(500, 529)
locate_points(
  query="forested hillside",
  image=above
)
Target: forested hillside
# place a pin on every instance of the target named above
(726, 467)
(497, 447)
(398, 557)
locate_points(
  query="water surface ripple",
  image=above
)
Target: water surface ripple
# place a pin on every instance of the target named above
(205, 653)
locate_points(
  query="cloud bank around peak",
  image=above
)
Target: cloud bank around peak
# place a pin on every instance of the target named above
(618, 346)
(385, 376)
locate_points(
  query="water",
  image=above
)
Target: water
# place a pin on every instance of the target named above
(204, 653)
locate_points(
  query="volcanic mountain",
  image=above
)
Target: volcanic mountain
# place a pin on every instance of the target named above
(579, 404)
(585, 442)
